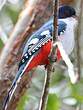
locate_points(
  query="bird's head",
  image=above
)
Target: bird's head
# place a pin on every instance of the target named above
(69, 13)
(66, 11)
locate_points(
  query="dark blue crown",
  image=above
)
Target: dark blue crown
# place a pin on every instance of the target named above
(66, 11)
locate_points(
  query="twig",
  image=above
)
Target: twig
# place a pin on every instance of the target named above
(49, 68)
(78, 60)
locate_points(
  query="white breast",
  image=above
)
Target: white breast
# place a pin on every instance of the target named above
(67, 38)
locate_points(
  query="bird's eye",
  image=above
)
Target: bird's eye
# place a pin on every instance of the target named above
(61, 32)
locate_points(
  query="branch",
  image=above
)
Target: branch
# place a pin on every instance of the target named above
(77, 43)
(65, 2)
(49, 67)
(24, 20)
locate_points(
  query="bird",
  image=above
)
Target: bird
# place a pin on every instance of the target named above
(38, 47)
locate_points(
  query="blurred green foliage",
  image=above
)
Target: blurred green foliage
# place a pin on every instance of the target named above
(56, 77)
(12, 13)
(77, 92)
(53, 102)
(1, 44)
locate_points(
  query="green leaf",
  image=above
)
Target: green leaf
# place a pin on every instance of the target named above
(53, 102)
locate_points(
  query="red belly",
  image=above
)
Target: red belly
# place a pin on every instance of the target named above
(42, 56)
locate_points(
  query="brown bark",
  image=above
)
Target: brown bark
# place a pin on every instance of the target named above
(66, 2)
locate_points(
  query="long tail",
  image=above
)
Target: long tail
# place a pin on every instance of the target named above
(17, 79)
(13, 87)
